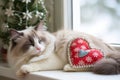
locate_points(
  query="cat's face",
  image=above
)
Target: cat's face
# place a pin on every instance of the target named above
(29, 40)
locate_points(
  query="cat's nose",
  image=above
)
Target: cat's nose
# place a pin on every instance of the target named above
(37, 48)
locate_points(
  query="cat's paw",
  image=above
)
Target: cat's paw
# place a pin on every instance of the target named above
(67, 67)
(23, 71)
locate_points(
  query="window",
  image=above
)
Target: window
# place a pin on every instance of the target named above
(98, 17)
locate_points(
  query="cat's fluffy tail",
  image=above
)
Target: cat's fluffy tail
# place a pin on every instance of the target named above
(109, 65)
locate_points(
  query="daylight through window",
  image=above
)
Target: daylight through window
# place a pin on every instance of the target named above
(98, 17)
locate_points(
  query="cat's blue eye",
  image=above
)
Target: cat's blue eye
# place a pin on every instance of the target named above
(40, 41)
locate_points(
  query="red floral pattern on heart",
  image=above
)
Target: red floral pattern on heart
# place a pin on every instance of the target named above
(81, 54)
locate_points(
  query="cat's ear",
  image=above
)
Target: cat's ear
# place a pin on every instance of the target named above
(41, 26)
(14, 33)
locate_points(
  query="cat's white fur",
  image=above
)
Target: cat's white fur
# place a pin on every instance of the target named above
(55, 54)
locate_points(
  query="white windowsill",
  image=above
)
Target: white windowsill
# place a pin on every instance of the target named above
(58, 75)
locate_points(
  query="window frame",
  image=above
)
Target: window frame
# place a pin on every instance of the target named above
(63, 14)
(76, 15)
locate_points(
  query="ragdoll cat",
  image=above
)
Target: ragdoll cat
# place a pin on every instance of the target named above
(35, 49)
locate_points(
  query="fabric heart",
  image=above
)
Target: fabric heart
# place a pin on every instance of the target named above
(81, 54)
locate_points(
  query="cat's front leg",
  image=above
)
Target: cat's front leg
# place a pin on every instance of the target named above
(38, 58)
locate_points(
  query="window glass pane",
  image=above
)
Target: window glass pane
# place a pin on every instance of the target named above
(100, 18)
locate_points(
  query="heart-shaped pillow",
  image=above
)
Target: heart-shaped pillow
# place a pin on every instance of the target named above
(81, 55)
